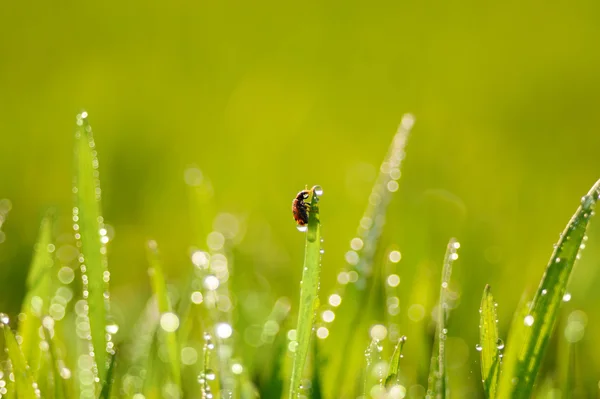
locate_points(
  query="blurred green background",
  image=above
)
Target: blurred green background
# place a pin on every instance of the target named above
(265, 97)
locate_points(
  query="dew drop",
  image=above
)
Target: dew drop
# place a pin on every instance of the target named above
(302, 228)
(318, 190)
(322, 333)
(237, 368)
(528, 320)
(112, 328)
(210, 375)
(566, 297)
(335, 300)
(169, 322)
(224, 330)
(500, 344)
(478, 348)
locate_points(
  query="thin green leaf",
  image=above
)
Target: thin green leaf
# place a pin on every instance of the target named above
(316, 389)
(543, 311)
(372, 380)
(88, 227)
(23, 380)
(341, 372)
(168, 318)
(37, 299)
(437, 373)
(309, 289)
(489, 343)
(106, 387)
(60, 386)
(394, 370)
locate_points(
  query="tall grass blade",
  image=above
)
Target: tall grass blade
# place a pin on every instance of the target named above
(57, 370)
(359, 262)
(394, 370)
(91, 236)
(543, 311)
(309, 289)
(23, 380)
(489, 344)
(107, 386)
(316, 389)
(437, 387)
(37, 299)
(169, 322)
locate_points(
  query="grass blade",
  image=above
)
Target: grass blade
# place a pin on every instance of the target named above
(308, 292)
(394, 370)
(37, 299)
(23, 380)
(489, 344)
(359, 262)
(437, 372)
(543, 311)
(89, 226)
(107, 386)
(169, 321)
(60, 385)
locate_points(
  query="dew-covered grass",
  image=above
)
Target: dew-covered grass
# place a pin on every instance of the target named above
(344, 341)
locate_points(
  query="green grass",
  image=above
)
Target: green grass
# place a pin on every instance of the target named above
(489, 343)
(187, 343)
(309, 290)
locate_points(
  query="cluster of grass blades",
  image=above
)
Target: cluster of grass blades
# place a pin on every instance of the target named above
(178, 340)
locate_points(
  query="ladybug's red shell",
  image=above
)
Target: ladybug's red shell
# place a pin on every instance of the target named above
(300, 208)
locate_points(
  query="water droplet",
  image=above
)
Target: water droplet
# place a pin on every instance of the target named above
(528, 320)
(197, 297)
(4, 319)
(112, 328)
(302, 228)
(322, 333)
(224, 330)
(566, 297)
(378, 332)
(211, 282)
(210, 375)
(335, 300)
(393, 280)
(544, 291)
(237, 368)
(500, 344)
(328, 316)
(169, 322)
(318, 190)
(395, 256)
(478, 348)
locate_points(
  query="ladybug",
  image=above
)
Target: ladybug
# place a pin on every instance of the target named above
(300, 208)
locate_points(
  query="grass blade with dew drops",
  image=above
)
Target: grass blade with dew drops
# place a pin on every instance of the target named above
(25, 385)
(374, 372)
(107, 386)
(61, 389)
(169, 322)
(37, 299)
(518, 380)
(394, 370)
(309, 288)
(437, 373)
(359, 259)
(489, 344)
(91, 234)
